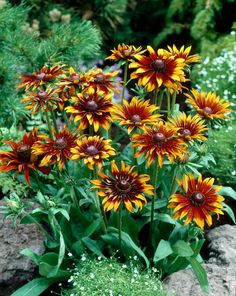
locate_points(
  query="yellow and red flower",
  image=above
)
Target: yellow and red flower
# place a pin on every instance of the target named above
(158, 69)
(190, 127)
(93, 150)
(159, 141)
(57, 149)
(125, 52)
(198, 200)
(208, 105)
(91, 109)
(183, 53)
(46, 74)
(124, 186)
(21, 157)
(136, 114)
(41, 100)
(98, 80)
(72, 82)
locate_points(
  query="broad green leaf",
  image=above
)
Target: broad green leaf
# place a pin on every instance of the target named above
(164, 218)
(200, 273)
(163, 250)
(182, 249)
(61, 256)
(228, 191)
(92, 227)
(229, 211)
(63, 212)
(178, 264)
(32, 255)
(34, 287)
(92, 245)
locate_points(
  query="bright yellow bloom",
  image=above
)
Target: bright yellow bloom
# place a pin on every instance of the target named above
(125, 52)
(184, 54)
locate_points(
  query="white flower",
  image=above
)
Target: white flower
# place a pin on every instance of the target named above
(69, 255)
(233, 173)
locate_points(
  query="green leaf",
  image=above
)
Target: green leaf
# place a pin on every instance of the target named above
(34, 287)
(63, 212)
(32, 255)
(61, 255)
(200, 273)
(228, 191)
(164, 218)
(182, 249)
(92, 245)
(163, 250)
(92, 227)
(229, 211)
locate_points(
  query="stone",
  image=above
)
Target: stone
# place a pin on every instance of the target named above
(16, 269)
(220, 267)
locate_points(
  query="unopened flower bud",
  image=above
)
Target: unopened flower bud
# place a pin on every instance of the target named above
(55, 15)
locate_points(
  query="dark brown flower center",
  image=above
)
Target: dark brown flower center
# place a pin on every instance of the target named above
(24, 153)
(123, 186)
(136, 118)
(91, 106)
(208, 110)
(60, 144)
(127, 52)
(197, 198)
(91, 150)
(185, 132)
(42, 95)
(99, 78)
(75, 77)
(40, 76)
(159, 138)
(158, 65)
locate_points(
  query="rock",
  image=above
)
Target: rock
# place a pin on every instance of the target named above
(222, 245)
(16, 269)
(220, 268)
(222, 282)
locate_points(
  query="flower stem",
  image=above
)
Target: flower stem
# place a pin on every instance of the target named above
(168, 104)
(124, 81)
(54, 120)
(154, 181)
(120, 225)
(48, 123)
(173, 181)
(160, 99)
(173, 102)
(155, 99)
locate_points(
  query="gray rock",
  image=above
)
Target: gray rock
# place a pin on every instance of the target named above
(220, 268)
(222, 282)
(222, 245)
(16, 269)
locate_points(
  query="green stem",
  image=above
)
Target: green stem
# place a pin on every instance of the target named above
(125, 80)
(160, 99)
(99, 205)
(154, 181)
(91, 130)
(173, 102)
(120, 225)
(48, 123)
(173, 181)
(155, 99)
(168, 104)
(74, 196)
(54, 121)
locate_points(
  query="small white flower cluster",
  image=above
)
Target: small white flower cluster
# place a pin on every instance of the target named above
(56, 15)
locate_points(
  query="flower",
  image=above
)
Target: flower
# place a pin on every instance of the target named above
(46, 74)
(208, 106)
(125, 52)
(21, 157)
(41, 100)
(158, 141)
(75, 81)
(92, 150)
(198, 200)
(124, 186)
(98, 80)
(137, 113)
(92, 108)
(55, 150)
(184, 54)
(190, 127)
(157, 69)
